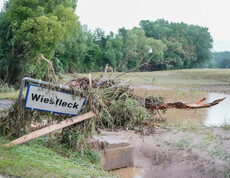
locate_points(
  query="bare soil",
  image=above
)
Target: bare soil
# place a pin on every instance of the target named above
(180, 154)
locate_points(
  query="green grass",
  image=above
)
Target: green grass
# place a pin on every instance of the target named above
(11, 95)
(225, 126)
(35, 160)
(188, 125)
(220, 152)
(184, 142)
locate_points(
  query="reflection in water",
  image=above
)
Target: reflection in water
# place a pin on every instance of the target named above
(129, 172)
(214, 116)
(219, 114)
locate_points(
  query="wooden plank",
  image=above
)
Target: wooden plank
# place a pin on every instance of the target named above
(51, 128)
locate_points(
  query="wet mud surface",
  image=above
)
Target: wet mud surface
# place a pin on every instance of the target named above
(179, 154)
(190, 146)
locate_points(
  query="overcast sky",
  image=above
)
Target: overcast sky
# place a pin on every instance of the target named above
(110, 15)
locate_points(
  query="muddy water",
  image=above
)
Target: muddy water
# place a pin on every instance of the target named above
(214, 116)
(129, 172)
(219, 114)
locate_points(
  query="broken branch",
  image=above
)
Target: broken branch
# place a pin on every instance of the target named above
(180, 105)
(51, 66)
(51, 128)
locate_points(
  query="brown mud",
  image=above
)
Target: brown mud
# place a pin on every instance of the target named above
(178, 154)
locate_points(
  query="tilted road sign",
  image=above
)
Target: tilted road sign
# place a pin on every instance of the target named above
(40, 98)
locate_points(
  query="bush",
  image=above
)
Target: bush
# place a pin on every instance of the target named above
(5, 88)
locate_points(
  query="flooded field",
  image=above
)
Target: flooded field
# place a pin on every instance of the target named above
(219, 114)
(214, 116)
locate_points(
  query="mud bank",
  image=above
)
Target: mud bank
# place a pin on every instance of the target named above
(203, 152)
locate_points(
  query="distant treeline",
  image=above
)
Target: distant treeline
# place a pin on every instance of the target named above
(220, 60)
(31, 27)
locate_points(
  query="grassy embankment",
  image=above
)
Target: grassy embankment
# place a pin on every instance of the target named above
(35, 160)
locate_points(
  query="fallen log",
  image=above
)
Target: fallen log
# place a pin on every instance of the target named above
(151, 104)
(51, 128)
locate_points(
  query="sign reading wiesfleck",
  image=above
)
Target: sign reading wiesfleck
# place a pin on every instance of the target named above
(43, 99)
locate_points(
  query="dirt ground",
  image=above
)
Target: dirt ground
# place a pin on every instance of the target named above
(178, 153)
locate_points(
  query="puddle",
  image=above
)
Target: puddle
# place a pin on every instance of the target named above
(129, 172)
(6, 103)
(219, 114)
(214, 116)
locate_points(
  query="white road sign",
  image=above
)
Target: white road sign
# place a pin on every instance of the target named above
(44, 99)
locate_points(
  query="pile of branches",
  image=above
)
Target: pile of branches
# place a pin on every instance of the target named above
(115, 106)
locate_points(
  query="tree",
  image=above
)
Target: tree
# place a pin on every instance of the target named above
(71, 51)
(187, 45)
(113, 50)
(222, 59)
(33, 27)
(93, 56)
(201, 39)
(136, 47)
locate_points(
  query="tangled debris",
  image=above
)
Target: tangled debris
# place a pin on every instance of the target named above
(115, 106)
(17, 120)
(113, 102)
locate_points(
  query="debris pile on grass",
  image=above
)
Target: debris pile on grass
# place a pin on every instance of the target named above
(115, 106)
(17, 120)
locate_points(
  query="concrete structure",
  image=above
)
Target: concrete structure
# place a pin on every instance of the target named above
(114, 153)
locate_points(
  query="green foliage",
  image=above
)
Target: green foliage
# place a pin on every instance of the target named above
(136, 48)
(130, 113)
(4, 88)
(184, 142)
(93, 56)
(187, 45)
(113, 50)
(30, 28)
(71, 51)
(225, 126)
(222, 59)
